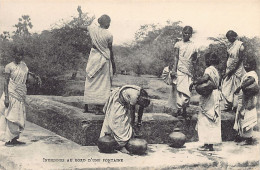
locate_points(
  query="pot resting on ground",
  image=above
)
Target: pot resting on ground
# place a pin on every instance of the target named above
(107, 144)
(136, 146)
(177, 139)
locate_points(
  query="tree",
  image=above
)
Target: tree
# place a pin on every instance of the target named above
(23, 26)
(75, 42)
(153, 48)
(5, 36)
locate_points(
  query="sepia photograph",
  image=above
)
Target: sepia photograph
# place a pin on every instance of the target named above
(129, 84)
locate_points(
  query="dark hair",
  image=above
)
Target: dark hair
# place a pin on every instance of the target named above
(17, 50)
(252, 62)
(231, 33)
(143, 99)
(187, 28)
(213, 58)
(104, 19)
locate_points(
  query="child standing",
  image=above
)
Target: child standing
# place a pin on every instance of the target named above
(209, 120)
(246, 115)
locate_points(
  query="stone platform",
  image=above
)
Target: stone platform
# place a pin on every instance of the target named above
(59, 115)
(46, 150)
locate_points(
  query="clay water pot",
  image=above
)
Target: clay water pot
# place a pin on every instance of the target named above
(177, 138)
(107, 143)
(136, 146)
(204, 89)
(251, 90)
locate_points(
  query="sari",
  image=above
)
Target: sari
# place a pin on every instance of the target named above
(184, 72)
(166, 76)
(12, 119)
(117, 116)
(247, 107)
(230, 84)
(209, 116)
(99, 68)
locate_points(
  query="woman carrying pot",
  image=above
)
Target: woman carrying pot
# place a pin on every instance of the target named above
(234, 70)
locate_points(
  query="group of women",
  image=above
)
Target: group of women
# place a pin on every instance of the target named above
(238, 72)
(123, 100)
(119, 106)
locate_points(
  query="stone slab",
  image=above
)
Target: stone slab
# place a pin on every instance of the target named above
(84, 128)
(45, 150)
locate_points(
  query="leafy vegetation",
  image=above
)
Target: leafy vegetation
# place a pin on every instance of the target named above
(65, 49)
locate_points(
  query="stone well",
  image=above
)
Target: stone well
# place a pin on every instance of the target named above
(60, 115)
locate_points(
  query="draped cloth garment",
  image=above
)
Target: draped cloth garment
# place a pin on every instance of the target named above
(117, 117)
(184, 72)
(247, 106)
(12, 119)
(99, 68)
(166, 75)
(230, 84)
(209, 117)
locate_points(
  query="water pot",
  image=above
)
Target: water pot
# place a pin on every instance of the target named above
(107, 143)
(177, 138)
(136, 146)
(203, 89)
(251, 90)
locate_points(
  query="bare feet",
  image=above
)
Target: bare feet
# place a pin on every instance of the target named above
(206, 147)
(124, 150)
(9, 144)
(14, 142)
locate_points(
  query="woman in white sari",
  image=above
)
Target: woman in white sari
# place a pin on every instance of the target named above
(209, 117)
(120, 112)
(100, 66)
(234, 71)
(12, 102)
(246, 115)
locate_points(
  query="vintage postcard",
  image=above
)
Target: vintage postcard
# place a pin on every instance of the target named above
(129, 84)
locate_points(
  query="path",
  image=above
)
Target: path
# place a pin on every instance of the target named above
(46, 150)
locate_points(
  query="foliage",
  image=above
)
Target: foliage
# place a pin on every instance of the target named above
(152, 49)
(65, 49)
(51, 53)
(22, 27)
